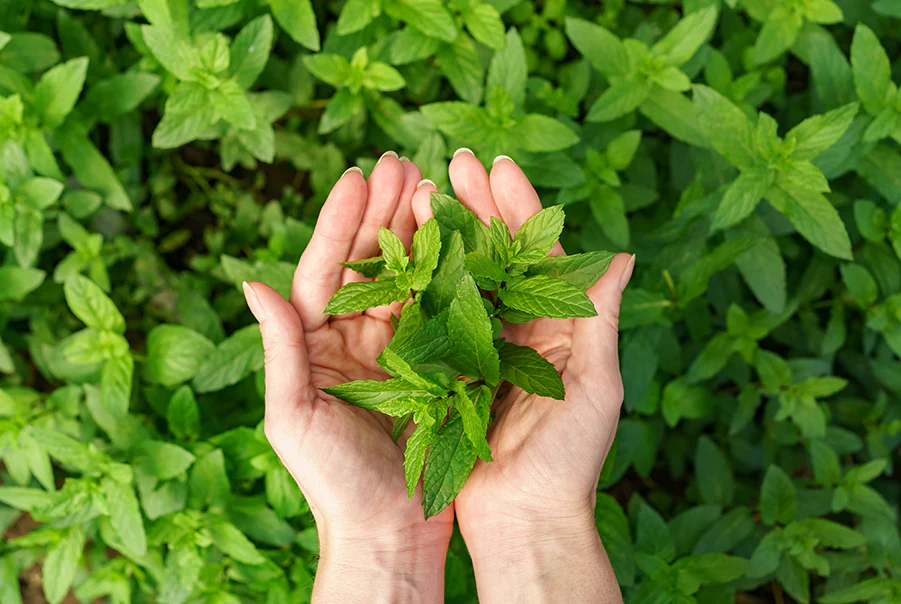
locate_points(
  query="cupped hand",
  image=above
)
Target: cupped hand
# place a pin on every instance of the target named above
(343, 457)
(547, 454)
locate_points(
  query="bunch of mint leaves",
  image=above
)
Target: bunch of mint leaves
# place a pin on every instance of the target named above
(448, 359)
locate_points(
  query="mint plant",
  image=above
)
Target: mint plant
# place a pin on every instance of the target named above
(447, 359)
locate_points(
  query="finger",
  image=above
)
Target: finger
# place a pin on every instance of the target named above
(318, 274)
(385, 185)
(514, 195)
(403, 224)
(471, 186)
(422, 201)
(289, 393)
(595, 340)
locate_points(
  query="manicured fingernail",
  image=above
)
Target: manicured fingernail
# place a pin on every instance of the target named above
(403, 158)
(501, 157)
(352, 169)
(253, 302)
(386, 154)
(627, 274)
(424, 182)
(463, 150)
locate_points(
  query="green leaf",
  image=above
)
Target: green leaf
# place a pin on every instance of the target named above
(524, 367)
(115, 384)
(726, 127)
(93, 307)
(741, 198)
(61, 564)
(380, 76)
(777, 497)
(359, 296)
(368, 267)
(451, 459)
(454, 216)
(125, 515)
(29, 229)
(602, 49)
(296, 17)
(469, 333)
(473, 425)
(440, 291)
(709, 569)
(19, 282)
(340, 109)
(282, 493)
(183, 415)
(92, 169)
(462, 66)
(620, 99)
(428, 344)
(860, 284)
(250, 51)
(331, 69)
(393, 251)
(161, 459)
(716, 483)
(621, 150)
(652, 535)
(485, 24)
(508, 69)
(357, 14)
(235, 358)
(547, 297)
(817, 220)
(119, 94)
(580, 270)
(609, 211)
(233, 543)
(175, 353)
(9, 576)
(540, 133)
(817, 134)
(794, 578)
(539, 233)
(415, 451)
(683, 400)
(872, 70)
(682, 42)
(178, 57)
(779, 33)
(59, 88)
(766, 556)
(428, 16)
(392, 397)
(486, 271)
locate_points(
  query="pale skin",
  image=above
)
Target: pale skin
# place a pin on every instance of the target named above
(527, 517)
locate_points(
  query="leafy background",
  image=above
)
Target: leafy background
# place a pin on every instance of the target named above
(154, 154)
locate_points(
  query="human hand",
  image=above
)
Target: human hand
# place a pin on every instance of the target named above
(533, 506)
(343, 457)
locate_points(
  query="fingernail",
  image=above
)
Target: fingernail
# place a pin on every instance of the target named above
(426, 181)
(253, 302)
(352, 169)
(501, 157)
(463, 150)
(403, 158)
(627, 274)
(386, 154)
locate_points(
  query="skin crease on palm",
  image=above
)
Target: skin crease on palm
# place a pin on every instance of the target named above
(512, 512)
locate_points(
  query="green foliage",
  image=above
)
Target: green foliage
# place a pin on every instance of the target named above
(155, 154)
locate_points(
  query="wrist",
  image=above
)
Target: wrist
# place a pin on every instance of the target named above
(394, 565)
(523, 558)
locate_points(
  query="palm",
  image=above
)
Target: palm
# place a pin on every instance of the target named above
(340, 455)
(544, 450)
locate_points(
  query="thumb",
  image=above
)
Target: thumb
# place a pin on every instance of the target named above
(596, 339)
(288, 389)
